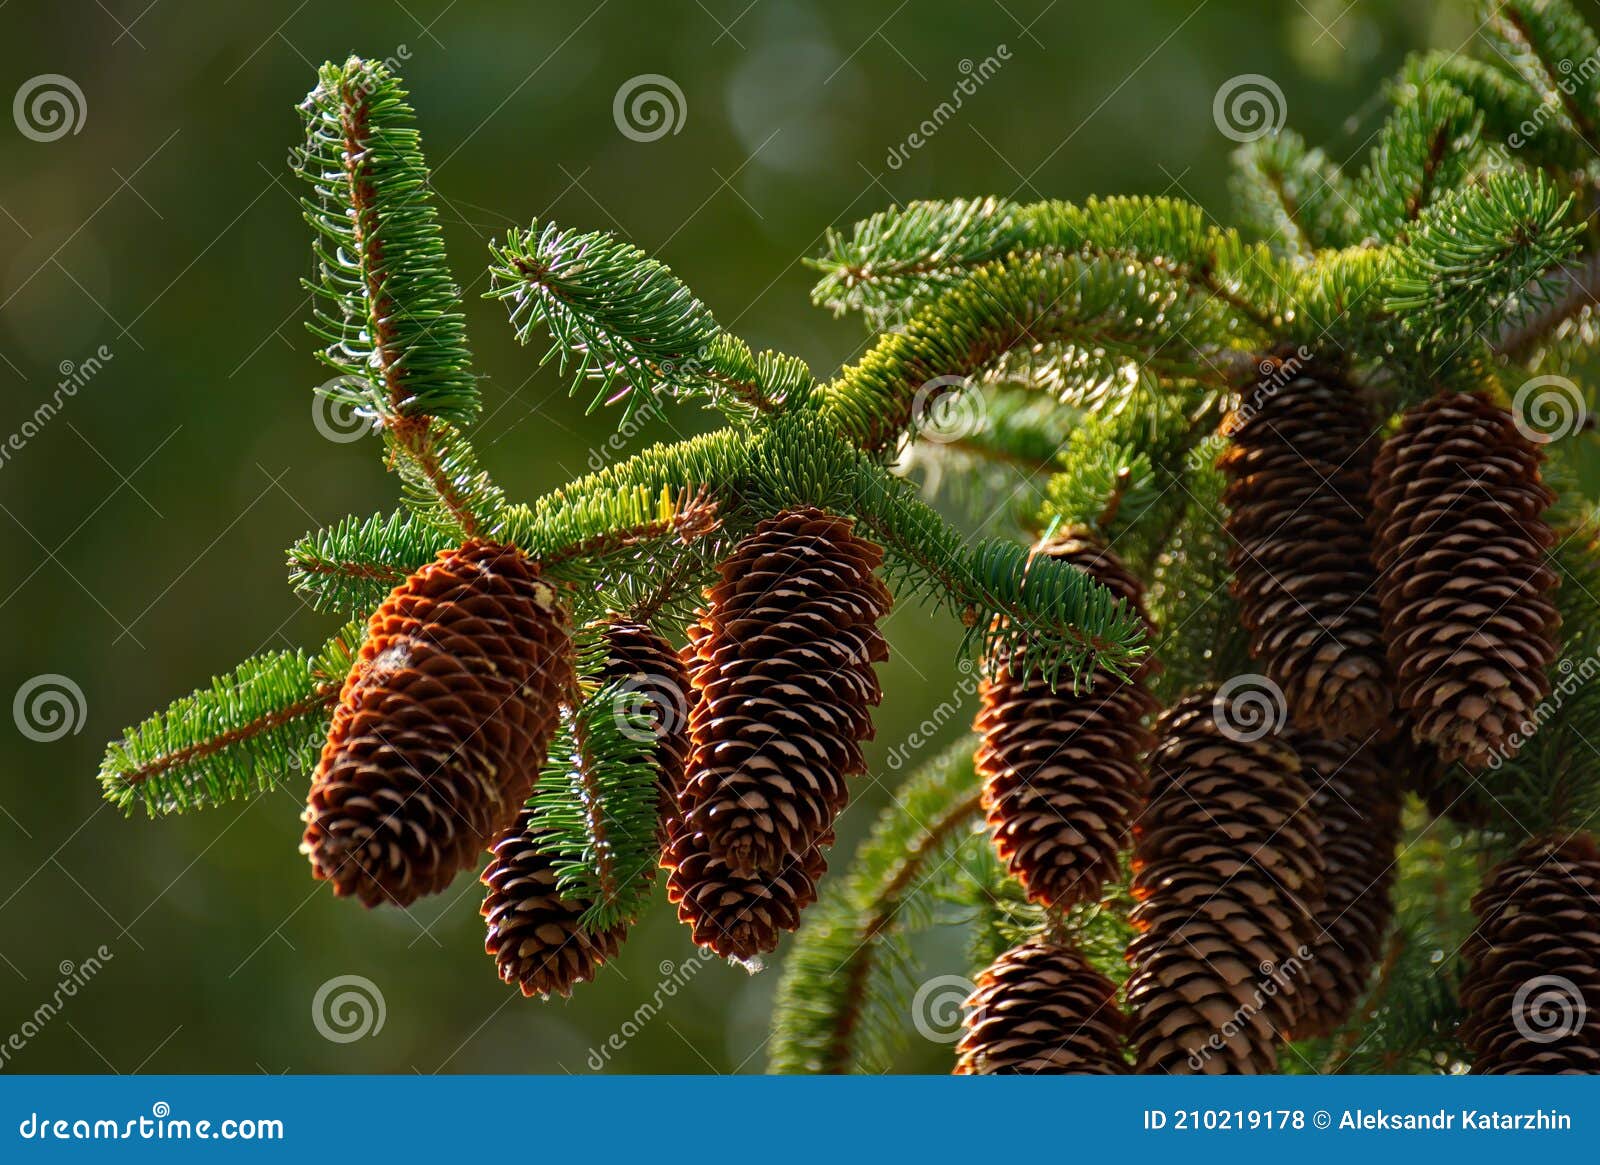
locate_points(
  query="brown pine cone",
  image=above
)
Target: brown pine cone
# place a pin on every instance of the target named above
(1062, 777)
(534, 932)
(655, 684)
(737, 916)
(1532, 986)
(784, 689)
(1041, 1008)
(1299, 465)
(1459, 543)
(1229, 874)
(441, 726)
(1355, 794)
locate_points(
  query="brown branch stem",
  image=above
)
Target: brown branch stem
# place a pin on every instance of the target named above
(325, 696)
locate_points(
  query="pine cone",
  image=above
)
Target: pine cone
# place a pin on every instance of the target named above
(655, 683)
(1356, 797)
(1229, 872)
(441, 726)
(737, 916)
(1041, 1008)
(1532, 987)
(1298, 469)
(1062, 777)
(782, 670)
(1459, 544)
(534, 933)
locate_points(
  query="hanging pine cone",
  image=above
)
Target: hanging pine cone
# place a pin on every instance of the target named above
(655, 684)
(1041, 1008)
(534, 932)
(1062, 777)
(1532, 987)
(782, 670)
(737, 916)
(441, 726)
(1460, 543)
(1228, 870)
(1355, 795)
(1299, 465)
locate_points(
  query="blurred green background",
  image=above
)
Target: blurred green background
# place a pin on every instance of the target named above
(144, 524)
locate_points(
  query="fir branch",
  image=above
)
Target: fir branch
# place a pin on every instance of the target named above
(1172, 236)
(1293, 196)
(1556, 52)
(350, 567)
(899, 260)
(243, 734)
(1571, 290)
(1424, 150)
(595, 806)
(836, 1008)
(1478, 257)
(1514, 112)
(904, 255)
(385, 305)
(1004, 597)
(444, 486)
(624, 320)
(387, 308)
(1113, 314)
